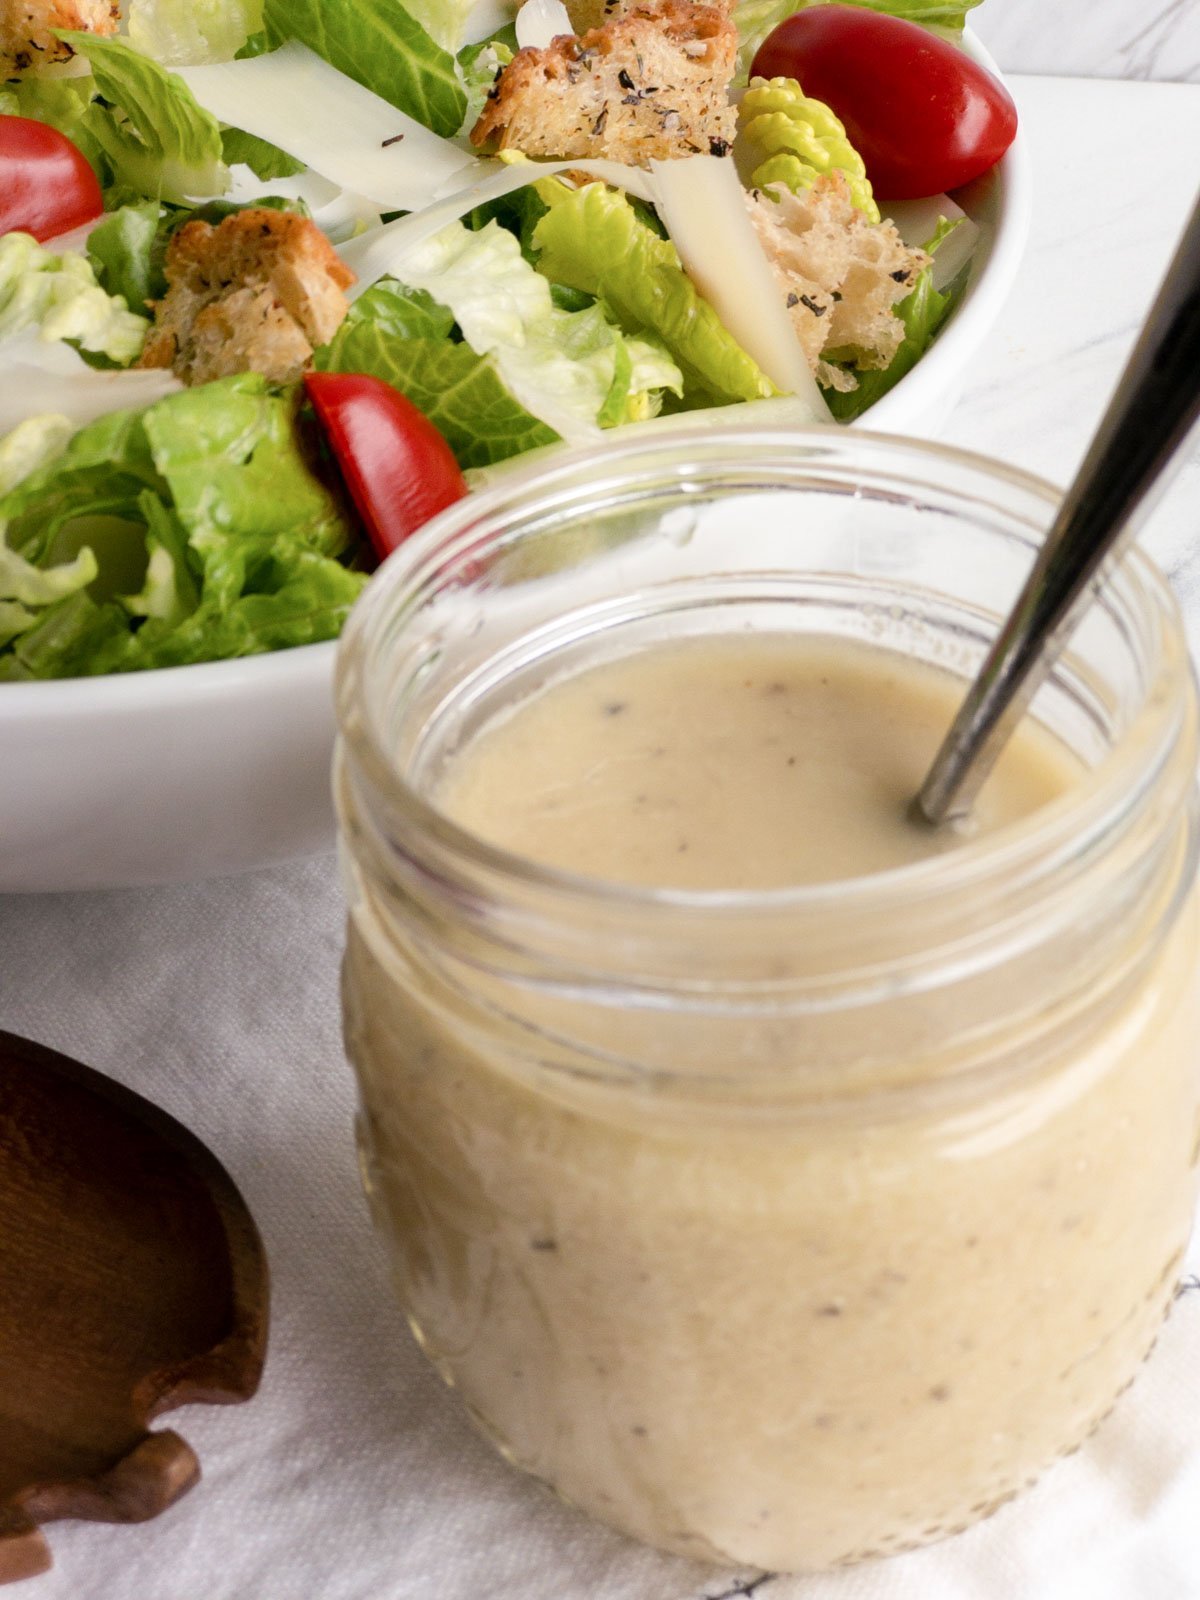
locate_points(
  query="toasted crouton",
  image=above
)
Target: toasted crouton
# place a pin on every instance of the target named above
(585, 14)
(652, 82)
(842, 275)
(257, 293)
(27, 27)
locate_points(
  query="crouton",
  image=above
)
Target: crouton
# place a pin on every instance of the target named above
(840, 273)
(257, 293)
(652, 82)
(587, 14)
(27, 27)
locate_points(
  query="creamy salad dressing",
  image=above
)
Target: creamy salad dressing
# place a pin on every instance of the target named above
(734, 763)
(789, 1340)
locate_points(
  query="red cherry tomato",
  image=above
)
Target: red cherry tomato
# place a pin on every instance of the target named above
(398, 468)
(923, 116)
(46, 184)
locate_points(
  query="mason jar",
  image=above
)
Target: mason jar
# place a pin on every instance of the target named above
(782, 1227)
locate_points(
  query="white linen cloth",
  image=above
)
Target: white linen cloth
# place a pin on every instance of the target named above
(354, 1475)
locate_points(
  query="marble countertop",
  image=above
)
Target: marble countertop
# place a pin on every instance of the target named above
(353, 1475)
(1094, 38)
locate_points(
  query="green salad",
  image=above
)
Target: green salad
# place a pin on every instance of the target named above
(291, 187)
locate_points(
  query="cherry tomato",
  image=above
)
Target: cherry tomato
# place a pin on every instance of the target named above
(398, 468)
(923, 116)
(46, 184)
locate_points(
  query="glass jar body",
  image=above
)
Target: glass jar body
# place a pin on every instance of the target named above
(789, 1343)
(757, 1258)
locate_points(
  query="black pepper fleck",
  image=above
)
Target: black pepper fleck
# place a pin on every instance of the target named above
(624, 79)
(614, 708)
(718, 147)
(395, 139)
(940, 1392)
(543, 1244)
(814, 306)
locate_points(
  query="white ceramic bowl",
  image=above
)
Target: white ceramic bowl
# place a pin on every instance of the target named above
(193, 772)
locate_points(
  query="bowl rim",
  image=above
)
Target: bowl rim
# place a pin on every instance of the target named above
(203, 681)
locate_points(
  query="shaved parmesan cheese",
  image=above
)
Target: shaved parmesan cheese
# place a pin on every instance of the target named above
(917, 221)
(295, 100)
(36, 378)
(376, 254)
(703, 207)
(539, 22)
(486, 18)
(335, 211)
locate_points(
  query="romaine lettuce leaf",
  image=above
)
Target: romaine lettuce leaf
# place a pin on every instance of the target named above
(126, 251)
(445, 21)
(793, 140)
(59, 296)
(591, 239)
(378, 44)
(265, 160)
(30, 446)
(183, 33)
(479, 64)
(157, 140)
(189, 531)
(390, 310)
(231, 458)
(570, 368)
(402, 335)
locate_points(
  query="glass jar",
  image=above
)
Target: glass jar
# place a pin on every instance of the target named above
(778, 1228)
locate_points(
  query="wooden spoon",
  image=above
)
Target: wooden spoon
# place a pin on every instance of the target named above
(132, 1281)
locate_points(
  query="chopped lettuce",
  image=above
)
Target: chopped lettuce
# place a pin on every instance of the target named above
(461, 393)
(183, 33)
(126, 251)
(378, 44)
(445, 21)
(265, 160)
(592, 239)
(479, 64)
(755, 19)
(31, 445)
(155, 138)
(193, 530)
(59, 296)
(792, 140)
(570, 368)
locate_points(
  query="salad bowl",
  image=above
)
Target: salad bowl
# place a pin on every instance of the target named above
(196, 771)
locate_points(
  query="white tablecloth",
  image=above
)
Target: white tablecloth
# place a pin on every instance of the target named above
(353, 1475)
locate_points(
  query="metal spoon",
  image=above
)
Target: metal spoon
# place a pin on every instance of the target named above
(1155, 404)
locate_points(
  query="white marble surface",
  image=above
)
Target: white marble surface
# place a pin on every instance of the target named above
(1095, 38)
(353, 1476)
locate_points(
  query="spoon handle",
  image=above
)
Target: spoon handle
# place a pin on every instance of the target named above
(1155, 404)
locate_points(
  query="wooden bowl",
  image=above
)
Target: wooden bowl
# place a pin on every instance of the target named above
(132, 1281)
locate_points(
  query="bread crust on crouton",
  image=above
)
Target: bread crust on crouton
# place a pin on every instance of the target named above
(653, 82)
(841, 275)
(27, 27)
(256, 293)
(585, 14)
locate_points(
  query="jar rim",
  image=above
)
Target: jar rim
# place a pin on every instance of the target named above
(1066, 829)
